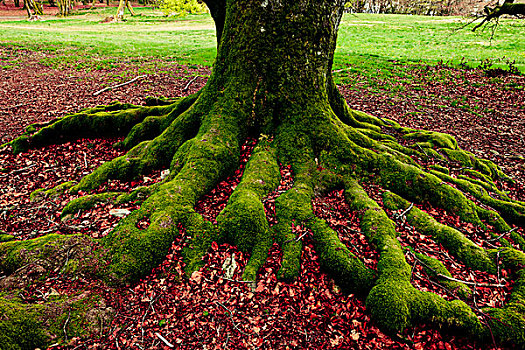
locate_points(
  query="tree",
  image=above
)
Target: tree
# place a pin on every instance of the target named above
(494, 13)
(272, 80)
(170, 7)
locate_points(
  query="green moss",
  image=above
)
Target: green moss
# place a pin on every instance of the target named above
(421, 187)
(508, 323)
(31, 326)
(462, 157)
(478, 175)
(53, 192)
(512, 211)
(156, 123)
(453, 240)
(113, 120)
(138, 195)
(202, 233)
(88, 202)
(243, 221)
(20, 144)
(376, 135)
(15, 254)
(20, 328)
(436, 139)
(433, 267)
(439, 168)
(292, 206)
(147, 155)
(349, 272)
(4, 237)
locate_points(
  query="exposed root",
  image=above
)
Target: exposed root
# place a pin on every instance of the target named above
(243, 222)
(394, 303)
(146, 156)
(103, 121)
(200, 144)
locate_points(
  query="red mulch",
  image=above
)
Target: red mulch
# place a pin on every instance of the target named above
(208, 310)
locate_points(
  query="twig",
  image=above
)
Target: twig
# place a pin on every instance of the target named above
(189, 83)
(65, 324)
(440, 275)
(404, 212)
(422, 150)
(295, 239)
(119, 85)
(164, 340)
(231, 279)
(18, 170)
(231, 317)
(341, 70)
(413, 269)
(15, 106)
(500, 236)
(488, 285)
(67, 257)
(85, 160)
(497, 264)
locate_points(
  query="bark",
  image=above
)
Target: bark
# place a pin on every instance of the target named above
(272, 80)
(507, 8)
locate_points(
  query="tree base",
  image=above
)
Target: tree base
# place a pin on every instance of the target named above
(201, 147)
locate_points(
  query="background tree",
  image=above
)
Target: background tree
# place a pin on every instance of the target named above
(182, 7)
(509, 8)
(272, 80)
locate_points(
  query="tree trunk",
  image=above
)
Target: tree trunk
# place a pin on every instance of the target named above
(272, 80)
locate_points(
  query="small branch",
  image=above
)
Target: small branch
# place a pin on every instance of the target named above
(501, 236)
(238, 281)
(404, 212)
(341, 70)
(231, 317)
(119, 85)
(189, 83)
(440, 275)
(164, 340)
(488, 285)
(65, 324)
(18, 170)
(15, 106)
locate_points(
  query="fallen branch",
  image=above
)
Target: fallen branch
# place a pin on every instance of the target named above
(440, 275)
(164, 340)
(231, 317)
(119, 85)
(189, 83)
(501, 236)
(488, 285)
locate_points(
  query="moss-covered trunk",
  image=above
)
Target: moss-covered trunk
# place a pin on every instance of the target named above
(272, 80)
(275, 57)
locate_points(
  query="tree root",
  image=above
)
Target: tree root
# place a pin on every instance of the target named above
(200, 144)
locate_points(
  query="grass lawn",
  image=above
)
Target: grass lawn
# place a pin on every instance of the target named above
(367, 43)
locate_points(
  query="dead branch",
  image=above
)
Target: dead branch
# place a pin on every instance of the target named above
(164, 340)
(189, 83)
(119, 85)
(494, 13)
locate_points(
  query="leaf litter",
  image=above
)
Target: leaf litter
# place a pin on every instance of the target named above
(212, 309)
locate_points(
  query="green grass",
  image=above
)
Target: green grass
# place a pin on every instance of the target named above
(368, 44)
(372, 42)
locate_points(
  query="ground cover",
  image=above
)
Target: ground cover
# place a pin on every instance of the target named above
(214, 309)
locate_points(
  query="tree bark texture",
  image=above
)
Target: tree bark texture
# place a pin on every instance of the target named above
(272, 80)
